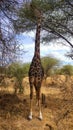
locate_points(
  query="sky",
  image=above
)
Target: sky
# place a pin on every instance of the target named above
(56, 50)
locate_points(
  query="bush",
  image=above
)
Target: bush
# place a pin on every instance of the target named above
(19, 71)
(67, 70)
(49, 65)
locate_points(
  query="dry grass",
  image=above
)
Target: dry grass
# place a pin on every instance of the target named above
(57, 109)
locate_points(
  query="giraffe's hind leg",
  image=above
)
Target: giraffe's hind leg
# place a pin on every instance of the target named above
(31, 97)
(38, 97)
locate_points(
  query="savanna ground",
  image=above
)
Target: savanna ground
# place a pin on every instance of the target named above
(57, 108)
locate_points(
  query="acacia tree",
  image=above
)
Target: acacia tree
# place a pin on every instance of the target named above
(49, 64)
(57, 19)
(19, 71)
(67, 70)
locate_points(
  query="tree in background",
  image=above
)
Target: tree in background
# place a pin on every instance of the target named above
(67, 70)
(26, 68)
(19, 71)
(49, 64)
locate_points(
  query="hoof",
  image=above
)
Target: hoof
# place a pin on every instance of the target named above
(40, 118)
(30, 117)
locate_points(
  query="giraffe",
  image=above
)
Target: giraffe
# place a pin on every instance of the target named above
(36, 71)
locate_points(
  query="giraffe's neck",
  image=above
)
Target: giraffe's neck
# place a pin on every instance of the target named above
(37, 38)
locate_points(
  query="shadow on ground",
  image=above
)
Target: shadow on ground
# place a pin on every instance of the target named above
(14, 110)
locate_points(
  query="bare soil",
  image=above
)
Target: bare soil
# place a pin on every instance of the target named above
(57, 111)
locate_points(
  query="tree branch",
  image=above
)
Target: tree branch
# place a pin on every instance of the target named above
(58, 34)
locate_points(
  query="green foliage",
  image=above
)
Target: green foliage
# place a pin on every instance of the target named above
(19, 71)
(19, 75)
(28, 9)
(49, 64)
(58, 71)
(27, 18)
(67, 70)
(26, 68)
(43, 5)
(2, 70)
(57, 19)
(16, 68)
(12, 69)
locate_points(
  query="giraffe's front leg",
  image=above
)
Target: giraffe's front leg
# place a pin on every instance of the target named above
(31, 96)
